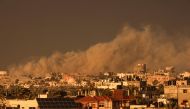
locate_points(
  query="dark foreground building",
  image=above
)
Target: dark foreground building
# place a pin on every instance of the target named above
(57, 103)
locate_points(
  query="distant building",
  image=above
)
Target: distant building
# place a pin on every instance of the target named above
(159, 78)
(170, 92)
(86, 92)
(184, 75)
(131, 83)
(3, 73)
(121, 75)
(181, 82)
(107, 84)
(140, 68)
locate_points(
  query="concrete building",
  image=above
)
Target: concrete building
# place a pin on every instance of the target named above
(107, 84)
(170, 91)
(22, 104)
(184, 75)
(160, 78)
(121, 75)
(181, 82)
(131, 83)
(183, 96)
(96, 102)
(86, 92)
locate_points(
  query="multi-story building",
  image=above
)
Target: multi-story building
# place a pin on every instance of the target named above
(157, 77)
(183, 95)
(170, 91)
(96, 102)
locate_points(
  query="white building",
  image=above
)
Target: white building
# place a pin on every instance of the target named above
(107, 85)
(131, 83)
(22, 104)
(121, 75)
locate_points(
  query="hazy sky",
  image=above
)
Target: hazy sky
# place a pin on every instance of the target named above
(38, 28)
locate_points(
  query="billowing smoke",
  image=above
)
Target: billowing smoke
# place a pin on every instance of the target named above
(132, 46)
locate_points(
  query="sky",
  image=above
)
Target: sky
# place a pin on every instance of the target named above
(40, 27)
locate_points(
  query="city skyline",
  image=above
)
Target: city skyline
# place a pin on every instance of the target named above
(107, 54)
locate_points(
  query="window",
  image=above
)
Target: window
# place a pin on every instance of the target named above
(184, 90)
(101, 105)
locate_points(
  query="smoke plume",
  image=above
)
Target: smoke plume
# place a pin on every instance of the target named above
(132, 46)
